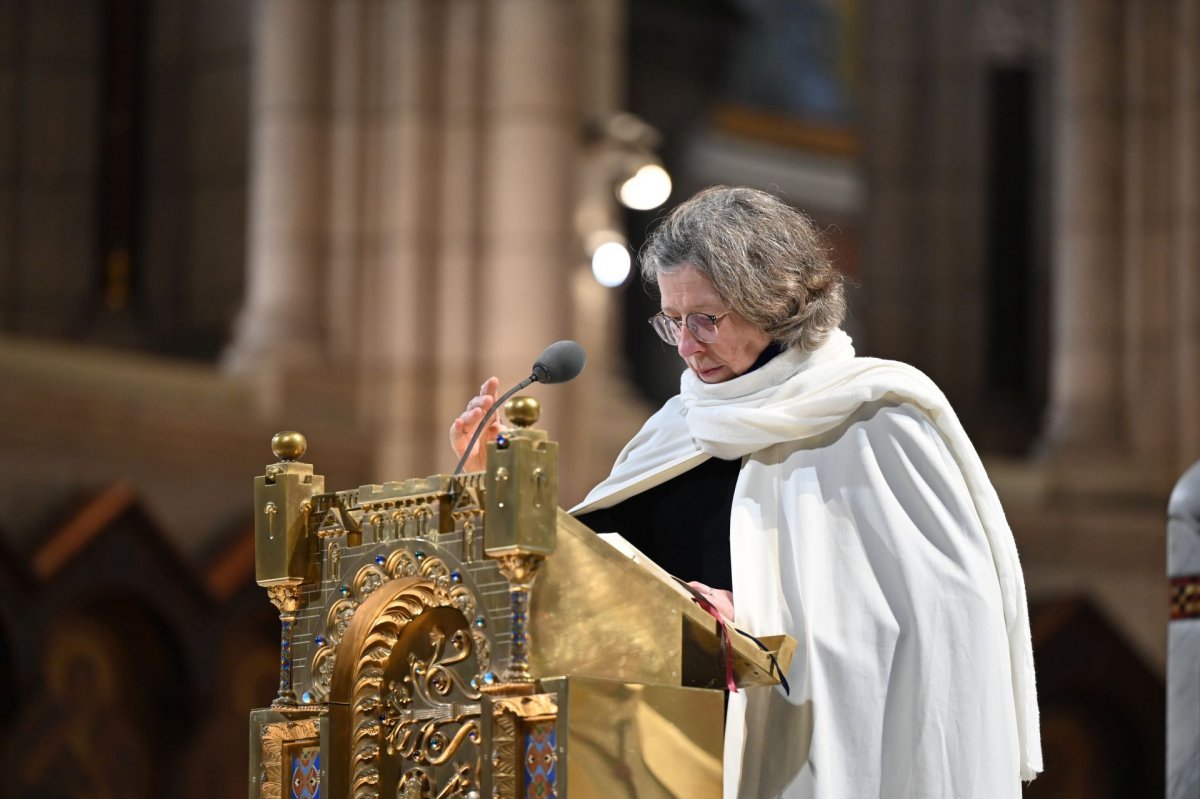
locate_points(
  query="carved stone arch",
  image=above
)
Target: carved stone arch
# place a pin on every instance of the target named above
(404, 698)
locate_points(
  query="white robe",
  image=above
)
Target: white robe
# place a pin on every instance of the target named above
(863, 525)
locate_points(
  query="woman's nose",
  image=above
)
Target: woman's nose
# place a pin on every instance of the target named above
(688, 345)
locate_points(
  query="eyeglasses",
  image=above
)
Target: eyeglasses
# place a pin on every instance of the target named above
(702, 325)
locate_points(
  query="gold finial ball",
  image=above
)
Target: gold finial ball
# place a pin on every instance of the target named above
(289, 445)
(523, 411)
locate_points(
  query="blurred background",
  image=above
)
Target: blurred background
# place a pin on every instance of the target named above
(224, 218)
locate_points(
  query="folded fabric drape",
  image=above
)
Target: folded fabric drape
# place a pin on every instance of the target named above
(859, 467)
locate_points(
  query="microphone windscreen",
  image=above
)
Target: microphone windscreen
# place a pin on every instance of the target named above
(561, 361)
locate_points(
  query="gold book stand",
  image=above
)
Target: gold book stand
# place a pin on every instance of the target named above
(464, 637)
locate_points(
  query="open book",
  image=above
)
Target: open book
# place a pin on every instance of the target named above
(618, 542)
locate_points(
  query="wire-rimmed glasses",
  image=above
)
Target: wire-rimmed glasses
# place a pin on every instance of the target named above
(702, 325)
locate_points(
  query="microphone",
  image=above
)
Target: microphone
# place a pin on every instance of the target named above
(558, 363)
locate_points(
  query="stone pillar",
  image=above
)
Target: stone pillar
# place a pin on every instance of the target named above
(1183, 640)
(1085, 381)
(1150, 225)
(456, 344)
(280, 324)
(413, 206)
(531, 142)
(400, 308)
(350, 162)
(1185, 290)
(923, 161)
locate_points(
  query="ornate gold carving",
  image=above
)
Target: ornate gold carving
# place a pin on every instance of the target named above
(401, 563)
(416, 729)
(286, 598)
(333, 560)
(512, 711)
(435, 569)
(320, 671)
(423, 514)
(399, 522)
(368, 579)
(504, 753)
(501, 484)
(410, 696)
(276, 738)
(483, 649)
(270, 510)
(534, 707)
(520, 568)
(464, 599)
(417, 783)
(338, 618)
(468, 541)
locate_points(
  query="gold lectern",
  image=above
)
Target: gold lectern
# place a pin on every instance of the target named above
(464, 637)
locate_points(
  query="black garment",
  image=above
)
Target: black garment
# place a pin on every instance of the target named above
(682, 524)
(770, 351)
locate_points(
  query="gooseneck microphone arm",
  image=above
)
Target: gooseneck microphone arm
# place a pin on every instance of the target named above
(558, 363)
(483, 422)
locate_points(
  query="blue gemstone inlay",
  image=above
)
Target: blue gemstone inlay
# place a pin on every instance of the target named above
(501, 442)
(455, 577)
(419, 555)
(306, 698)
(379, 559)
(480, 621)
(475, 682)
(319, 640)
(345, 590)
(489, 678)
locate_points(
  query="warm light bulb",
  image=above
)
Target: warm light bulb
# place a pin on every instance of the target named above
(610, 264)
(648, 188)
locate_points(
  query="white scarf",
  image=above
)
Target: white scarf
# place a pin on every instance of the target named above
(796, 396)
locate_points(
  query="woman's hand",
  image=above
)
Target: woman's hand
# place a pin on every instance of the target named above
(462, 428)
(721, 600)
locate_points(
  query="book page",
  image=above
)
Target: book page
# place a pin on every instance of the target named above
(618, 542)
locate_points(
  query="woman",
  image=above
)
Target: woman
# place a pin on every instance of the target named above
(835, 498)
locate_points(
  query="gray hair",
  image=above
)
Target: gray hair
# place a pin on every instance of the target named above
(765, 258)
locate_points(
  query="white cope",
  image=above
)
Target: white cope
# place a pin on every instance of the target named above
(864, 525)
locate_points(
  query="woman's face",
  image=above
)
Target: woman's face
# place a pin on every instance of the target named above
(738, 344)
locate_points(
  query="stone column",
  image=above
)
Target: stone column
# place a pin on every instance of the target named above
(400, 302)
(1185, 32)
(280, 324)
(350, 162)
(458, 332)
(1085, 381)
(1150, 225)
(531, 141)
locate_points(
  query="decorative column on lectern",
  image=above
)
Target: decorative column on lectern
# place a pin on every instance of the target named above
(519, 528)
(283, 557)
